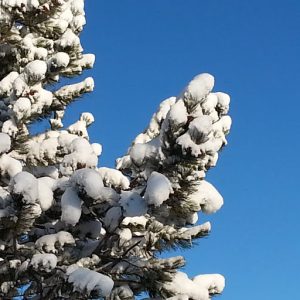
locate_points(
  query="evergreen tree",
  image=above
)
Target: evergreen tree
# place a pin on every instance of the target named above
(68, 228)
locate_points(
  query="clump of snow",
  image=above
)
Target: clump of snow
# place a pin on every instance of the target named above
(198, 89)
(158, 189)
(140, 153)
(45, 193)
(44, 262)
(80, 127)
(133, 204)
(10, 128)
(22, 108)
(182, 285)
(68, 39)
(200, 128)
(5, 142)
(84, 279)
(113, 177)
(125, 236)
(6, 84)
(207, 197)
(70, 206)
(35, 71)
(89, 181)
(223, 102)
(48, 242)
(214, 283)
(9, 165)
(178, 114)
(82, 155)
(135, 221)
(25, 184)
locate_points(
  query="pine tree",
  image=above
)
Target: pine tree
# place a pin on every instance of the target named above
(68, 228)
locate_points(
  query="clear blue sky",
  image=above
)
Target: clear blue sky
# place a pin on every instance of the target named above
(147, 51)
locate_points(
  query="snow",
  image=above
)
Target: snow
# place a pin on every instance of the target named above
(5, 142)
(70, 206)
(133, 204)
(82, 154)
(58, 61)
(182, 285)
(84, 279)
(140, 153)
(45, 196)
(158, 189)
(77, 7)
(214, 283)
(9, 165)
(200, 128)
(89, 181)
(44, 262)
(6, 83)
(25, 184)
(87, 60)
(223, 102)
(80, 127)
(22, 108)
(68, 39)
(207, 197)
(198, 89)
(48, 242)
(113, 177)
(35, 71)
(135, 221)
(125, 236)
(210, 103)
(178, 114)
(10, 128)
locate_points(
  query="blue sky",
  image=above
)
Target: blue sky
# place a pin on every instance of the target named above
(147, 51)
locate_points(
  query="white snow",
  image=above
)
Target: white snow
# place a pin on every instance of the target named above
(223, 102)
(140, 153)
(178, 114)
(133, 204)
(207, 197)
(45, 262)
(89, 180)
(48, 242)
(9, 165)
(35, 71)
(198, 89)
(125, 236)
(113, 177)
(5, 142)
(6, 83)
(45, 196)
(10, 128)
(84, 279)
(182, 285)
(214, 283)
(158, 189)
(135, 221)
(25, 184)
(70, 206)
(22, 108)
(200, 128)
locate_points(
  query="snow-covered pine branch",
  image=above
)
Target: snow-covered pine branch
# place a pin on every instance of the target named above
(72, 229)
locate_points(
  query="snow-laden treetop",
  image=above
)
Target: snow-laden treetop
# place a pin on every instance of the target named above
(70, 229)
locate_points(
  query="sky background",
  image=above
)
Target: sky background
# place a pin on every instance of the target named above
(147, 51)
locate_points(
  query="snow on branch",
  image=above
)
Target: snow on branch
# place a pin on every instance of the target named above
(70, 228)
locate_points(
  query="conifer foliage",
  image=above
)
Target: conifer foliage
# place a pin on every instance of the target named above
(70, 229)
